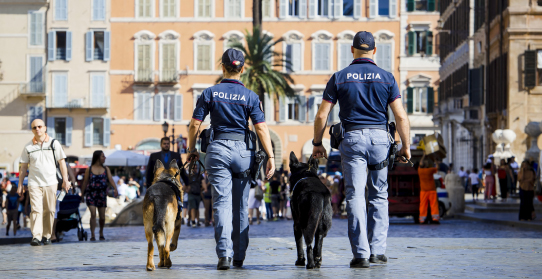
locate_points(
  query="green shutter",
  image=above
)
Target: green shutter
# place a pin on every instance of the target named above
(430, 99)
(411, 42)
(429, 43)
(410, 100)
(410, 5)
(530, 68)
(431, 5)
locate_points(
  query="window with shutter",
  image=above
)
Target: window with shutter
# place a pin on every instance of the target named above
(302, 108)
(302, 8)
(204, 8)
(69, 129)
(36, 74)
(410, 100)
(61, 9)
(411, 42)
(373, 8)
(410, 5)
(169, 72)
(345, 56)
(145, 8)
(60, 130)
(203, 58)
(169, 8)
(393, 8)
(51, 50)
(266, 8)
(338, 8)
(178, 108)
(429, 43)
(98, 90)
(322, 56)
(60, 89)
(107, 45)
(144, 67)
(97, 131)
(98, 9)
(88, 131)
(530, 68)
(348, 7)
(383, 56)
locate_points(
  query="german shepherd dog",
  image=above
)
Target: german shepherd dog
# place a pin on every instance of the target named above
(311, 210)
(159, 214)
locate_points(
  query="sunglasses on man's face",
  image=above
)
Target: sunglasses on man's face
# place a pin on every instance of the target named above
(37, 127)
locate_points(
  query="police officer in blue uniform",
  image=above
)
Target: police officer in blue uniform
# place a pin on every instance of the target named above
(230, 105)
(364, 92)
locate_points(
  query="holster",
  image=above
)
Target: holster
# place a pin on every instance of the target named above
(205, 137)
(336, 133)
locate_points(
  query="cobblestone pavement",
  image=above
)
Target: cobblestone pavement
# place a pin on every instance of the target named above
(456, 248)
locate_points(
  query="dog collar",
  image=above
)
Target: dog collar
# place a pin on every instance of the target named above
(298, 182)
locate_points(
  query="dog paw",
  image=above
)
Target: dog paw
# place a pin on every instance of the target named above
(168, 263)
(300, 262)
(160, 264)
(150, 267)
(172, 247)
(310, 266)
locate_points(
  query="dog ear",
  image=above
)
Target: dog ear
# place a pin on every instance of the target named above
(158, 165)
(173, 164)
(293, 159)
(314, 163)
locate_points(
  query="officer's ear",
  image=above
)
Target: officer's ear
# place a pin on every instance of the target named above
(352, 49)
(242, 69)
(374, 51)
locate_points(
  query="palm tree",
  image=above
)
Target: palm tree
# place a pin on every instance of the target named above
(261, 60)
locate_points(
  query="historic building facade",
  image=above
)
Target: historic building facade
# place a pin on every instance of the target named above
(22, 75)
(491, 58)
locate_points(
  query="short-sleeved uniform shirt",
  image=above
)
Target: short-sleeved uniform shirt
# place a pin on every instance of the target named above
(229, 104)
(363, 91)
(42, 167)
(427, 181)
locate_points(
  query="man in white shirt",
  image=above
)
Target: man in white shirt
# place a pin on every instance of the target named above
(463, 176)
(42, 181)
(121, 189)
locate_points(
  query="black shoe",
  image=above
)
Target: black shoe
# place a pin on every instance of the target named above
(46, 241)
(223, 263)
(35, 242)
(359, 263)
(378, 259)
(435, 222)
(237, 263)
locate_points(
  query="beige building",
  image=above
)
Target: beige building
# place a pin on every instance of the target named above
(78, 45)
(22, 75)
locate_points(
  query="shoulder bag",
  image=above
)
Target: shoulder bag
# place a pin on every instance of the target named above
(58, 173)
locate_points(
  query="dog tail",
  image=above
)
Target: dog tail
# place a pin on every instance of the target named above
(158, 225)
(313, 220)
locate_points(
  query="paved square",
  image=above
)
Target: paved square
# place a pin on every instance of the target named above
(456, 248)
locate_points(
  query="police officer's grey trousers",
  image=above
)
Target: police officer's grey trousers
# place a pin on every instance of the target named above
(359, 148)
(230, 196)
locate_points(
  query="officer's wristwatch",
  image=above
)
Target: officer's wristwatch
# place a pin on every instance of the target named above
(188, 150)
(316, 144)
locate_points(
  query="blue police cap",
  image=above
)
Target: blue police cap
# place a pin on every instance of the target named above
(233, 58)
(364, 38)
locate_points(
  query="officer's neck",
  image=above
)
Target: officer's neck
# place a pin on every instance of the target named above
(236, 77)
(364, 56)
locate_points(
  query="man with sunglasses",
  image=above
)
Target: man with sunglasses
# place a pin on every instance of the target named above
(38, 158)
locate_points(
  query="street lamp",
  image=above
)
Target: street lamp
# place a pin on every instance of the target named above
(165, 128)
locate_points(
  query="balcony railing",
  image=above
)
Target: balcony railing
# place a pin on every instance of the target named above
(79, 103)
(169, 76)
(60, 53)
(144, 76)
(33, 88)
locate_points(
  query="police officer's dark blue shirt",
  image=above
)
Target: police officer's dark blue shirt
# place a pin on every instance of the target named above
(230, 104)
(364, 91)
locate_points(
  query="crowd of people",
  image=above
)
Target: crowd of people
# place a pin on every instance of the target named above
(513, 180)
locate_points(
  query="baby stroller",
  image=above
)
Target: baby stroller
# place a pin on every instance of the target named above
(68, 217)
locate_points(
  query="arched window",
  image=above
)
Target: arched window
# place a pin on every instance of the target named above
(204, 51)
(293, 46)
(231, 37)
(322, 49)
